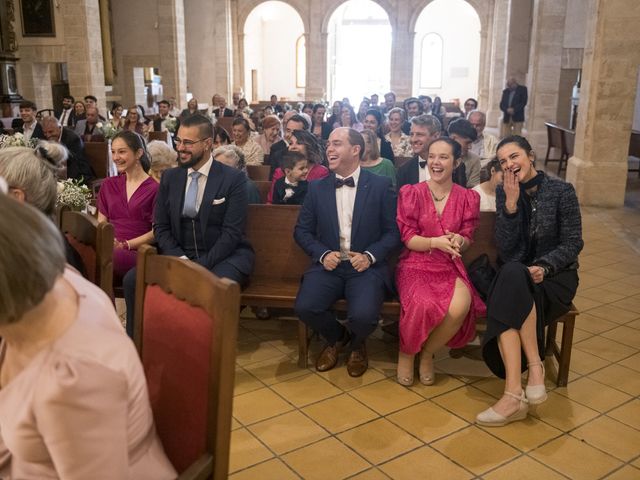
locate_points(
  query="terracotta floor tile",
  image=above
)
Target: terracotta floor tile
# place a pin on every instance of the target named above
(466, 402)
(632, 362)
(593, 394)
(246, 450)
(305, 389)
(523, 468)
(287, 432)
(584, 363)
(575, 458)
(276, 370)
(427, 421)
(340, 413)
(630, 303)
(257, 351)
(258, 405)
(525, 435)
(275, 469)
(386, 396)
(589, 280)
(613, 313)
(605, 348)
(622, 286)
(602, 296)
(620, 378)
(625, 335)
(424, 463)
(444, 384)
(475, 450)
(629, 414)
(562, 413)
(633, 324)
(610, 272)
(245, 382)
(584, 304)
(336, 462)
(341, 378)
(379, 440)
(611, 436)
(384, 361)
(625, 473)
(371, 474)
(593, 324)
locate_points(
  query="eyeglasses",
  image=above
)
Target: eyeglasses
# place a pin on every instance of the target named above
(188, 143)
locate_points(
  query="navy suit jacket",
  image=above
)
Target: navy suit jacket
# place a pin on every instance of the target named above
(374, 221)
(222, 224)
(520, 99)
(77, 164)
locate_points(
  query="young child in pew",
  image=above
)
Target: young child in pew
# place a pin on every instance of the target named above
(292, 188)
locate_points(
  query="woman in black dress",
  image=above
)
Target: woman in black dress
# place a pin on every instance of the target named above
(539, 237)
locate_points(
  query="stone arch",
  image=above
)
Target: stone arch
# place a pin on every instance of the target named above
(385, 4)
(481, 9)
(300, 6)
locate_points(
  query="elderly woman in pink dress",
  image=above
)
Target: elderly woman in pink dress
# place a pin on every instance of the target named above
(439, 305)
(73, 397)
(127, 201)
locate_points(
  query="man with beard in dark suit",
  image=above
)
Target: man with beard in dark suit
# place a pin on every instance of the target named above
(78, 166)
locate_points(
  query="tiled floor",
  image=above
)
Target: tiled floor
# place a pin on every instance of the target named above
(291, 423)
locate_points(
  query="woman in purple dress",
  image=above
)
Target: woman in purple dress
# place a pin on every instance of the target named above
(439, 305)
(127, 201)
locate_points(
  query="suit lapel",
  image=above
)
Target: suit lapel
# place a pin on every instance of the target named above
(329, 200)
(415, 171)
(361, 201)
(177, 193)
(214, 180)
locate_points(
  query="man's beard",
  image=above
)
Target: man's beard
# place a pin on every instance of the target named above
(190, 163)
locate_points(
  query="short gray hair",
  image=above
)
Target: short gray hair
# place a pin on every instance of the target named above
(24, 169)
(431, 122)
(50, 120)
(32, 257)
(234, 152)
(162, 156)
(483, 116)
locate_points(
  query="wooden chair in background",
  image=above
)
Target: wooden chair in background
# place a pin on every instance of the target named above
(186, 326)
(94, 242)
(162, 136)
(258, 173)
(556, 140)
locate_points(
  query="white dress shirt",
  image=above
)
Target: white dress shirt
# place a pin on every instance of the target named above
(345, 201)
(64, 117)
(423, 173)
(28, 131)
(202, 181)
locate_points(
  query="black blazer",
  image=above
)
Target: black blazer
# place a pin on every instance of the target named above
(77, 164)
(72, 117)
(326, 130)
(222, 214)
(520, 99)
(408, 174)
(276, 153)
(37, 131)
(386, 150)
(299, 192)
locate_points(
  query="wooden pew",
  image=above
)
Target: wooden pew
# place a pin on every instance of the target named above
(263, 188)
(280, 264)
(98, 155)
(258, 173)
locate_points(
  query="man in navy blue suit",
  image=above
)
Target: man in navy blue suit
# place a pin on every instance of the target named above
(200, 211)
(347, 225)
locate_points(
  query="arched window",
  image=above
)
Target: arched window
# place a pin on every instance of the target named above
(301, 63)
(431, 61)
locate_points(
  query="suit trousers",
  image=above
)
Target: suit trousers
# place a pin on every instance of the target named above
(320, 289)
(511, 128)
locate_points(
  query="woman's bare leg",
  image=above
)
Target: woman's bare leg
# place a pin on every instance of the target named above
(529, 341)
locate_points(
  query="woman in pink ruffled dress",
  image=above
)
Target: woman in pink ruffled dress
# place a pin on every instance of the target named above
(436, 219)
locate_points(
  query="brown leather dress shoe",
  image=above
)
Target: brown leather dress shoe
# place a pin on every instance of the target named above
(328, 357)
(357, 363)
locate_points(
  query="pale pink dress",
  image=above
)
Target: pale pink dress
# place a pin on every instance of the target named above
(80, 410)
(426, 280)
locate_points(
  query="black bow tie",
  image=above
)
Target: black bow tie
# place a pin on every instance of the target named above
(422, 163)
(349, 182)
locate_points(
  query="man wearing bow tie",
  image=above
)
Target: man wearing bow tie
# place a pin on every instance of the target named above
(424, 130)
(347, 225)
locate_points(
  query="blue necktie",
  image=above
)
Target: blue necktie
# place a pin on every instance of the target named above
(190, 209)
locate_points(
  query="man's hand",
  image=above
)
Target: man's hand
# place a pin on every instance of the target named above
(331, 260)
(359, 261)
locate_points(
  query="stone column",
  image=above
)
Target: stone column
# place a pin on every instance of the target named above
(598, 169)
(173, 56)
(498, 61)
(83, 44)
(402, 60)
(545, 63)
(316, 43)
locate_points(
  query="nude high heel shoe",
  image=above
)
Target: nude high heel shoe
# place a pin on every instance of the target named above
(428, 377)
(405, 379)
(491, 418)
(536, 394)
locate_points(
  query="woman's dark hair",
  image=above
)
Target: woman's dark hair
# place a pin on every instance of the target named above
(309, 105)
(315, 154)
(220, 132)
(317, 106)
(352, 114)
(241, 121)
(115, 106)
(472, 100)
(485, 172)
(135, 142)
(456, 149)
(374, 112)
(522, 142)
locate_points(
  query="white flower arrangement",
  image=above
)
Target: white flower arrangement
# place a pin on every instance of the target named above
(73, 194)
(170, 124)
(17, 140)
(108, 130)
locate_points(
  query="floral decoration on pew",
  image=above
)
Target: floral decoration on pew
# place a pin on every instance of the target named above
(108, 130)
(17, 140)
(170, 124)
(73, 194)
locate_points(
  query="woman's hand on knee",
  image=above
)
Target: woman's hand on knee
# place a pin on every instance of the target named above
(537, 273)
